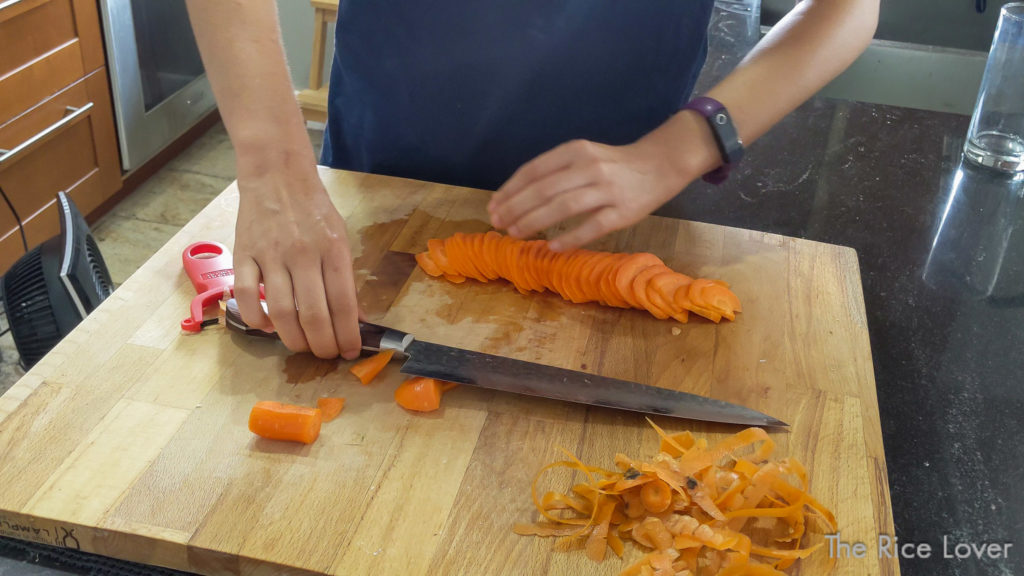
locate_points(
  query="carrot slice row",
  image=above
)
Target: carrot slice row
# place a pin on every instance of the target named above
(668, 506)
(641, 280)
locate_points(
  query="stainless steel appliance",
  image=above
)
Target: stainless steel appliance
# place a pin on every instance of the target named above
(159, 85)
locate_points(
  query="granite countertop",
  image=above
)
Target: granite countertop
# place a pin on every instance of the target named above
(941, 251)
(945, 310)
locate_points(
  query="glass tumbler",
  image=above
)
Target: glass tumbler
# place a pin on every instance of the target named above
(996, 136)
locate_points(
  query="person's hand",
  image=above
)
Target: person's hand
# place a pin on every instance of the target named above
(615, 186)
(291, 237)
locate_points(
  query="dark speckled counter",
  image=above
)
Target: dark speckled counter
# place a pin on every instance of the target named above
(948, 352)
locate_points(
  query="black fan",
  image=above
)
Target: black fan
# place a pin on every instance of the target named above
(54, 286)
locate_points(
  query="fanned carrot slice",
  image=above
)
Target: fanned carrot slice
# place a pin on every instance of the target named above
(638, 280)
(639, 289)
(428, 265)
(608, 288)
(633, 265)
(721, 300)
(685, 297)
(368, 368)
(437, 254)
(330, 407)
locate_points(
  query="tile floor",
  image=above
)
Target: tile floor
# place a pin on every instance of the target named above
(137, 227)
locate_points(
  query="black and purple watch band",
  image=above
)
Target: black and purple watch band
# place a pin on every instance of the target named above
(729, 144)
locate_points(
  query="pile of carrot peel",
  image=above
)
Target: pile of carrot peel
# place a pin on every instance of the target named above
(725, 510)
(624, 280)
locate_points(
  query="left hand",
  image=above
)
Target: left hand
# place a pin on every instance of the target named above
(615, 186)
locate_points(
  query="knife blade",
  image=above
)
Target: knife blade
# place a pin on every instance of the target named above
(451, 364)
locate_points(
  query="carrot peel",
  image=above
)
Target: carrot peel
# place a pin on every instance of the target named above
(688, 505)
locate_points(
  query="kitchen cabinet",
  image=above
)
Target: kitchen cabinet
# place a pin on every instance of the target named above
(56, 118)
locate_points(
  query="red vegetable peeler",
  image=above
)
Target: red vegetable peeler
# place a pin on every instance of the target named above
(209, 267)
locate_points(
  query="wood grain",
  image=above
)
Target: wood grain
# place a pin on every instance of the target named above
(386, 491)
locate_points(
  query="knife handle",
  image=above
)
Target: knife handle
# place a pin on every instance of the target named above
(375, 337)
(378, 338)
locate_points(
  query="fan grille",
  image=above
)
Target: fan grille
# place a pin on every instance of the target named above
(98, 268)
(28, 306)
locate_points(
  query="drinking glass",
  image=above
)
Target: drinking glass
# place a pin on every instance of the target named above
(996, 136)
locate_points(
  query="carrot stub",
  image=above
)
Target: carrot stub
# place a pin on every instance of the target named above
(368, 368)
(278, 421)
(330, 407)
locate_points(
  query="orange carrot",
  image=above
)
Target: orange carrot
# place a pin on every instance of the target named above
(368, 368)
(640, 280)
(330, 407)
(420, 394)
(279, 421)
(628, 270)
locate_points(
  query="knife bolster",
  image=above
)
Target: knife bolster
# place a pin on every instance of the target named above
(379, 338)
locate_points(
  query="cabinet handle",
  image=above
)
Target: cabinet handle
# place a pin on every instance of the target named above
(8, 3)
(7, 156)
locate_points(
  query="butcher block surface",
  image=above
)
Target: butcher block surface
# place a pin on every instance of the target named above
(129, 439)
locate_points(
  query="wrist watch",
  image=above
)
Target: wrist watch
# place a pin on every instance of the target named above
(729, 144)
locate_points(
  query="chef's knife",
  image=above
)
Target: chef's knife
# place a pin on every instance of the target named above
(509, 375)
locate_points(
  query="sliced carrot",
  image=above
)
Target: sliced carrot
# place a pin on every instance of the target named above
(628, 270)
(420, 394)
(639, 289)
(694, 302)
(721, 300)
(330, 407)
(437, 253)
(428, 265)
(639, 280)
(615, 298)
(368, 368)
(672, 310)
(278, 421)
(667, 285)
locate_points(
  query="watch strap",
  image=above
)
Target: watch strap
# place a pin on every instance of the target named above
(726, 138)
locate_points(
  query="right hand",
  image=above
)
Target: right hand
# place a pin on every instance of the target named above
(290, 237)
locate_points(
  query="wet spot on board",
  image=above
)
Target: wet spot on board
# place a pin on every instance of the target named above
(302, 368)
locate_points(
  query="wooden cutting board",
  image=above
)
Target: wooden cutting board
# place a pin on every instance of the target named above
(129, 439)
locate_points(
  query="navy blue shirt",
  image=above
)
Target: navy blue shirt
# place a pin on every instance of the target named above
(465, 91)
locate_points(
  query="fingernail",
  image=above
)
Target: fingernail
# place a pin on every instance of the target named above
(555, 246)
(350, 354)
(514, 230)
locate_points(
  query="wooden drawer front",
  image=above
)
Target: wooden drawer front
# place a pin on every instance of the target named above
(78, 155)
(10, 248)
(47, 45)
